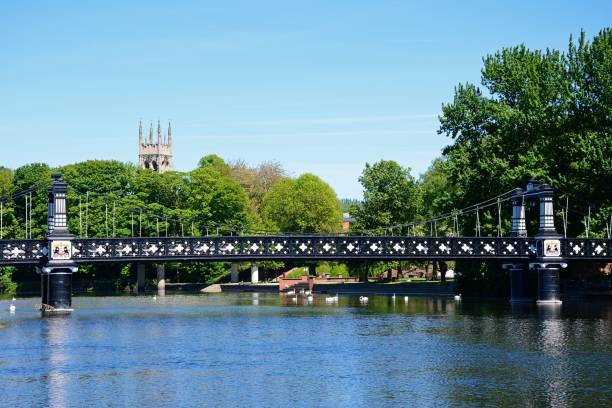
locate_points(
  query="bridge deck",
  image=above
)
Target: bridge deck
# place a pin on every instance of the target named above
(328, 247)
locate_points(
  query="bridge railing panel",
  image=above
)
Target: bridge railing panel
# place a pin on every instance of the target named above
(20, 251)
(326, 247)
(583, 248)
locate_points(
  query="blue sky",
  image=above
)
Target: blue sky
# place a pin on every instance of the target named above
(320, 86)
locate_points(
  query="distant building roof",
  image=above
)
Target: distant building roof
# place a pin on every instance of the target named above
(346, 217)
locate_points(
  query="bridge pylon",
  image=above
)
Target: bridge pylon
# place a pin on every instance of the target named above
(57, 267)
(549, 259)
(543, 286)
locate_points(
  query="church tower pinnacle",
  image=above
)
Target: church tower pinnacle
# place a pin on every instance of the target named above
(159, 138)
(140, 132)
(169, 139)
(155, 156)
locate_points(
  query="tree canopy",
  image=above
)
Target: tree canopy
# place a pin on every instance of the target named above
(390, 196)
(306, 204)
(545, 115)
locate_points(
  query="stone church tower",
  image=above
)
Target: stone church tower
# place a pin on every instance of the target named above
(152, 155)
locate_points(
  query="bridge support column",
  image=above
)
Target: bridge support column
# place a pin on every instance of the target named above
(140, 278)
(161, 279)
(56, 274)
(56, 290)
(234, 277)
(548, 285)
(522, 284)
(254, 273)
(312, 270)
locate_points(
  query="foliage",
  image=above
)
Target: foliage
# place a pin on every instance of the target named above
(217, 199)
(306, 204)
(110, 198)
(346, 204)
(390, 196)
(334, 269)
(7, 285)
(216, 162)
(257, 181)
(543, 115)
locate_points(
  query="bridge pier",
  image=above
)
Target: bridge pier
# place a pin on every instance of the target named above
(522, 283)
(234, 277)
(140, 278)
(254, 273)
(312, 270)
(56, 290)
(548, 284)
(161, 279)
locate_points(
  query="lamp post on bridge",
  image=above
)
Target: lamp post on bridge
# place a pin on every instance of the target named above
(56, 272)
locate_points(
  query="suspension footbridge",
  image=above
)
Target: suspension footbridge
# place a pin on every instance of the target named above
(59, 253)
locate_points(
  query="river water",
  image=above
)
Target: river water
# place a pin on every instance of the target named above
(265, 350)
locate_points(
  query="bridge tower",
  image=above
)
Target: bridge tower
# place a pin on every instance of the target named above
(58, 267)
(548, 246)
(542, 285)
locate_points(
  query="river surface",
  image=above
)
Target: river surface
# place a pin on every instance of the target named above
(265, 350)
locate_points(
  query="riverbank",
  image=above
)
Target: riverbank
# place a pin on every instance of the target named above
(358, 288)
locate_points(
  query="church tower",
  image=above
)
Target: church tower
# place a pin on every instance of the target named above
(155, 155)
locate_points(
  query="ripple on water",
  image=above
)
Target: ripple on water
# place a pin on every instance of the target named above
(241, 349)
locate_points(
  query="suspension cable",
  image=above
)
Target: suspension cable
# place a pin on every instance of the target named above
(26, 216)
(106, 218)
(114, 235)
(87, 215)
(499, 222)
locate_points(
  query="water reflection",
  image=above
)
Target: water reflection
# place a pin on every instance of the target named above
(270, 350)
(56, 334)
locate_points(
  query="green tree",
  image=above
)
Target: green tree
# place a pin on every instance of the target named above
(390, 196)
(217, 199)
(544, 115)
(216, 162)
(6, 189)
(26, 177)
(306, 204)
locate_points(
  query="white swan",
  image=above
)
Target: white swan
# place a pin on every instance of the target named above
(154, 297)
(458, 297)
(12, 308)
(393, 297)
(332, 298)
(405, 298)
(363, 299)
(14, 298)
(309, 298)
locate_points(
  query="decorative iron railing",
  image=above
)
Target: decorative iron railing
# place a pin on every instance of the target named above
(342, 248)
